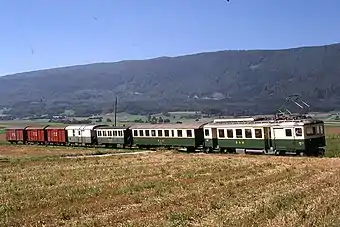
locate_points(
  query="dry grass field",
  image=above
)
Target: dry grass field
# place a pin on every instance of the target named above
(167, 189)
(2, 137)
(40, 187)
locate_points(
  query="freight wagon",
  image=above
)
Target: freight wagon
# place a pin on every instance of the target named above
(81, 134)
(56, 135)
(16, 134)
(36, 134)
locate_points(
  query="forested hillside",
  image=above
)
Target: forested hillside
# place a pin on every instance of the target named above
(234, 82)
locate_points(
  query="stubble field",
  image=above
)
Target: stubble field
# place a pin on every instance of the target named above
(39, 186)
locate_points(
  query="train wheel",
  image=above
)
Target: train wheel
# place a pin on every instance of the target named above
(231, 150)
(321, 152)
(190, 149)
(208, 150)
(301, 154)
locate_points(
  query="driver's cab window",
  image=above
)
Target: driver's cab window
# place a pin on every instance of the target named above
(298, 131)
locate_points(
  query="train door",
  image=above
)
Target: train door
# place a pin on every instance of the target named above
(214, 137)
(83, 136)
(267, 138)
(284, 139)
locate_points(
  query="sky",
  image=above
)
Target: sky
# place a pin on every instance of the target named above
(40, 34)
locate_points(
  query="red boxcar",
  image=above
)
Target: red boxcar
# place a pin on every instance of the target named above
(36, 134)
(16, 134)
(56, 135)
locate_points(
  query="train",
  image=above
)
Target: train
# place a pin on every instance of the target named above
(301, 136)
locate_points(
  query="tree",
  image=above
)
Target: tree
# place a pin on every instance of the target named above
(154, 120)
(166, 114)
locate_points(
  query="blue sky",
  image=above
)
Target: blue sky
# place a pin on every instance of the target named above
(39, 34)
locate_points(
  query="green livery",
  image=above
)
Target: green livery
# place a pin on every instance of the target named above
(110, 140)
(302, 136)
(185, 142)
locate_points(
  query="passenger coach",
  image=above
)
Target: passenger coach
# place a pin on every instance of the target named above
(189, 136)
(114, 136)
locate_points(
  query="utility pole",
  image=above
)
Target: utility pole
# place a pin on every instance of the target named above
(115, 110)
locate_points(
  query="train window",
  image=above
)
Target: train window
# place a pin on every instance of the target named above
(321, 129)
(238, 133)
(104, 133)
(166, 133)
(99, 133)
(298, 131)
(160, 133)
(248, 133)
(221, 133)
(230, 133)
(172, 133)
(310, 131)
(120, 133)
(288, 132)
(78, 133)
(147, 133)
(258, 133)
(179, 133)
(74, 132)
(153, 132)
(110, 133)
(135, 133)
(206, 132)
(317, 130)
(114, 133)
(189, 133)
(141, 133)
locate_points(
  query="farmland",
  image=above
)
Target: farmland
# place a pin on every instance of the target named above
(40, 186)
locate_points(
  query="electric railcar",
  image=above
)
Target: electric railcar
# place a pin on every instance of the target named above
(300, 136)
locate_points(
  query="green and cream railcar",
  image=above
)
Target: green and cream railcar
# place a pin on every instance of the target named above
(232, 134)
(168, 135)
(304, 136)
(113, 136)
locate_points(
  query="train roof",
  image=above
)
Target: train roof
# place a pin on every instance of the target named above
(264, 122)
(36, 127)
(20, 127)
(169, 126)
(56, 127)
(82, 127)
(111, 127)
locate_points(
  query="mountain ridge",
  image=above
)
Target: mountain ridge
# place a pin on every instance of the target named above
(167, 57)
(230, 81)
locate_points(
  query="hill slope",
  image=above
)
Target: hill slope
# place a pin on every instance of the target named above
(234, 81)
